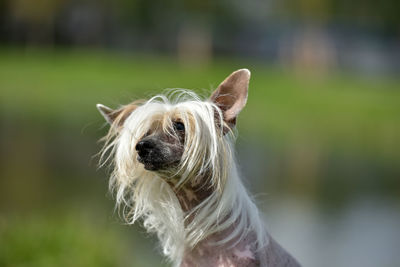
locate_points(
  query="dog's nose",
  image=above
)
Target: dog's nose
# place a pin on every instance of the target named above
(143, 147)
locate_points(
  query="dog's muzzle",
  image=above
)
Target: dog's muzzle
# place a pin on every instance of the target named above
(158, 154)
(150, 155)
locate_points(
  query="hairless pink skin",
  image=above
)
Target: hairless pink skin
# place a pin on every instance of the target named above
(241, 255)
(244, 253)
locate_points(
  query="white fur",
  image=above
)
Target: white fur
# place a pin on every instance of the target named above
(147, 195)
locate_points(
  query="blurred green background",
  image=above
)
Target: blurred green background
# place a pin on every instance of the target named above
(318, 140)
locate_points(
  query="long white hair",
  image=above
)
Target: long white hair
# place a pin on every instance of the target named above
(208, 151)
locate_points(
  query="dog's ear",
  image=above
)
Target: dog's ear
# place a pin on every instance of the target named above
(108, 113)
(231, 95)
(118, 115)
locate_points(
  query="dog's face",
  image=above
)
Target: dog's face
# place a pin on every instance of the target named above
(161, 150)
(167, 137)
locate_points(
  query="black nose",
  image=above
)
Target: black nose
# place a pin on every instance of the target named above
(144, 147)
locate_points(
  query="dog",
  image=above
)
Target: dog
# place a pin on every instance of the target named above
(174, 168)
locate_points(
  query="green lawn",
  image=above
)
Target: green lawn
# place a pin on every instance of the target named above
(336, 111)
(70, 239)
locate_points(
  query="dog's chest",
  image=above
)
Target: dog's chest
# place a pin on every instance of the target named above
(205, 254)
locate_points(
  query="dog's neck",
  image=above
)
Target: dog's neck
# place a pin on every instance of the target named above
(192, 193)
(243, 253)
(206, 253)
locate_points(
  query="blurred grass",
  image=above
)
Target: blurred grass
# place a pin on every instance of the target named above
(335, 111)
(57, 242)
(66, 240)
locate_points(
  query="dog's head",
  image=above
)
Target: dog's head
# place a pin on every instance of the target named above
(177, 136)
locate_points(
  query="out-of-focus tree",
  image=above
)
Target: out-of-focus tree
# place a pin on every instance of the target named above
(384, 14)
(181, 25)
(308, 10)
(310, 48)
(36, 18)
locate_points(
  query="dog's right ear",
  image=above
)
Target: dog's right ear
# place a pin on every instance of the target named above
(117, 116)
(108, 113)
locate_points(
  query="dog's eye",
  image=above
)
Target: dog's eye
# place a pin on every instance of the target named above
(179, 126)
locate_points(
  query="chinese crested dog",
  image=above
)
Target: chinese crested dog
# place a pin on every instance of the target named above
(174, 168)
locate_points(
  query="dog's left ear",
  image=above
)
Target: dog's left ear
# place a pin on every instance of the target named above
(231, 95)
(117, 116)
